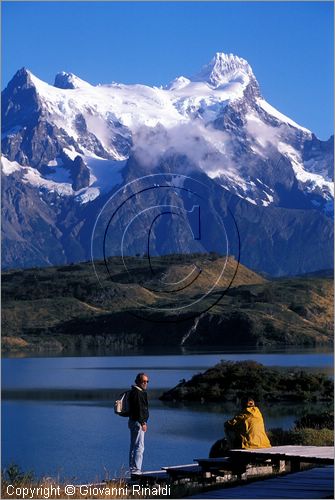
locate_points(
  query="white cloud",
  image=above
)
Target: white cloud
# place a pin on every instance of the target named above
(206, 147)
(264, 134)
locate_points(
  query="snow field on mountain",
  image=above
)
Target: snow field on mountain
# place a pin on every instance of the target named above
(280, 116)
(105, 174)
(133, 106)
(9, 167)
(32, 176)
(310, 179)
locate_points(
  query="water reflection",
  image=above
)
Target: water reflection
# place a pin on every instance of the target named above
(117, 372)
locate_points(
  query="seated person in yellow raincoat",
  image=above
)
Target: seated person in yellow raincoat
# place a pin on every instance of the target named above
(247, 430)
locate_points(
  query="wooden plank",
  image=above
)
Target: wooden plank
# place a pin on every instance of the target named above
(188, 471)
(309, 454)
(306, 485)
(268, 495)
(228, 463)
(158, 474)
(221, 466)
(215, 464)
(294, 451)
(175, 467)
(212, 460)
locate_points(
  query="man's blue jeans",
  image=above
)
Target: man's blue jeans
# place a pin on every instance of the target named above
(136, 447)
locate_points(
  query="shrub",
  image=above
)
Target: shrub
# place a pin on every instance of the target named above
(302, 437)
(313, 437)
(15, 475)
(323, 420)
(279, 436)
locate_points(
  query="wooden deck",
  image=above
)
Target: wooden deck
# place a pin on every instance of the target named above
(258, 469)
(292, 455)
(309, 454)
(313, 483)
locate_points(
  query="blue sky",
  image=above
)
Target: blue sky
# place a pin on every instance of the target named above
(288, 44)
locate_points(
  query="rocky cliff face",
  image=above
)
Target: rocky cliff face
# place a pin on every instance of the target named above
(67, 148)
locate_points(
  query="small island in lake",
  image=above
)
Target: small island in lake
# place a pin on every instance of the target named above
(229, 381)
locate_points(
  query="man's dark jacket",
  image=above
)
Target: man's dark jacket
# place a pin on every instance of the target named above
(138, 403)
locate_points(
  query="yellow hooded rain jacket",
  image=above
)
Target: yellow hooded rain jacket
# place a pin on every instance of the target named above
(248, 429)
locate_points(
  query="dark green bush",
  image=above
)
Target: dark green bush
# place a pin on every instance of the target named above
(323, 420)
(15, 475)
(302, 437)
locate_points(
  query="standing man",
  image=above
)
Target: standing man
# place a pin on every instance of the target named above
(138, 417)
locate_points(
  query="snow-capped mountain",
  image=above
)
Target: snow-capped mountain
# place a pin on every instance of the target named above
(72, 144)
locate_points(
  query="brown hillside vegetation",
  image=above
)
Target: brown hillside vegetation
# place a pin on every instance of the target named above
(204, 274)
(37, 299)
(68, 307)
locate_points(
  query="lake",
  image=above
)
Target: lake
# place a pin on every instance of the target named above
(58, 420)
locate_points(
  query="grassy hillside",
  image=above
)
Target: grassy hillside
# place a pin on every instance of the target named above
(67, 308)
(284, 311)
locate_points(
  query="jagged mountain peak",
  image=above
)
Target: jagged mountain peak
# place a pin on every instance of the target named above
(178, 83)
(22, 78)
(65, 80)
(226, 62)
(22, 72)
(226, 68)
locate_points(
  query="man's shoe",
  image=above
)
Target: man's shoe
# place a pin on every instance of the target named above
(135, 477)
